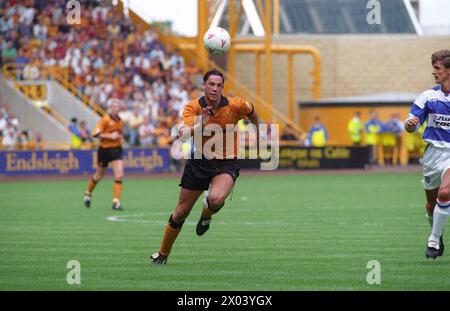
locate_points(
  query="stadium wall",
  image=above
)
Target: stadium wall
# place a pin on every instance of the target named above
(69, 106)
(158, 160)
(35, 119)
(78, 162)
(351, 65)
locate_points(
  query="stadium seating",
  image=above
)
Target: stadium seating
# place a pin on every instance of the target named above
(104, 57)
(13, 136)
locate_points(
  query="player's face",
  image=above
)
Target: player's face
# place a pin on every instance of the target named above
(213, 88)
(440, 73)
(115, 109)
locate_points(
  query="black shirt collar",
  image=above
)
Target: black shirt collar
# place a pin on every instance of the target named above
(116, 119)
(223, 101)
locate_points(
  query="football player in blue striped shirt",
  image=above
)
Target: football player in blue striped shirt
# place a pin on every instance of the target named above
(433, 106)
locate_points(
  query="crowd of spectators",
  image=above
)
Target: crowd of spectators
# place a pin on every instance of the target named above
(105, 56)
(13, 136)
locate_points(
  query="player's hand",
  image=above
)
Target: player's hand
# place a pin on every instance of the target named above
(412, 123)
(115, 135)
(206, 113)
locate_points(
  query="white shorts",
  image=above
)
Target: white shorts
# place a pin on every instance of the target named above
(436, 162)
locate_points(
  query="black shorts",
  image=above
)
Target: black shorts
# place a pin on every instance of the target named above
(106, 155)
(198, 174)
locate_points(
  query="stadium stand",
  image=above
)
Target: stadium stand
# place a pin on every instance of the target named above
(103, 57)
(13, 136)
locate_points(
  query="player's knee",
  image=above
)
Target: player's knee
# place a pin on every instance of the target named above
(118, 176)
(179, 216)
(444, 194)
(215, 202)
(97, 177)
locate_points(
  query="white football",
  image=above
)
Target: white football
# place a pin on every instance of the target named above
(216, 41)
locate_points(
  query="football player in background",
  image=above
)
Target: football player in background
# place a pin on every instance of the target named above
(109, 131)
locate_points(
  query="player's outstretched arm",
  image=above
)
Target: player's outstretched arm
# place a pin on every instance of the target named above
(412, 124)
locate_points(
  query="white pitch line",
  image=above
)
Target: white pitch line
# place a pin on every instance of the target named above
(126, 218)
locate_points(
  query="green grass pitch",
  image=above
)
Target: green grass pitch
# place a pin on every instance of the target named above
(296, 232)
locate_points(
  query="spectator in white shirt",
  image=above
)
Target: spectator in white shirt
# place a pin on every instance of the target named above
(177, 71)
(40, 30)
(147, 132)
(31, 72)
(9, 137)
(6, 24)
(157, 52)
(3, 121)
(27, 16)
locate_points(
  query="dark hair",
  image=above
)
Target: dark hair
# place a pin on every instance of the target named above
(441, 56)
(213, 72)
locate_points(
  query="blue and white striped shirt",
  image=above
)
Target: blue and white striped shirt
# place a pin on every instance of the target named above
(433, 106)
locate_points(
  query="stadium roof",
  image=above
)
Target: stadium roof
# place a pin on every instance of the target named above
(346, 17)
